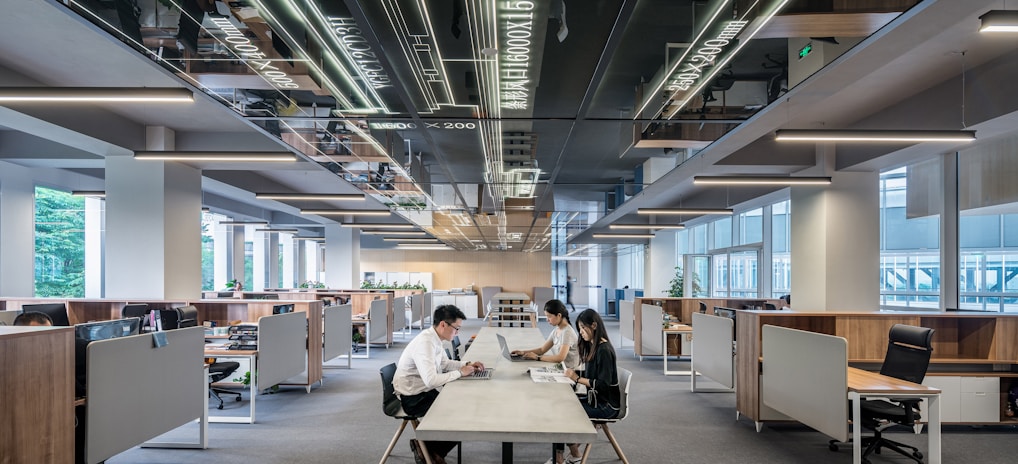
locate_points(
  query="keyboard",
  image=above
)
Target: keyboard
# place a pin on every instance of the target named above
(480, 375)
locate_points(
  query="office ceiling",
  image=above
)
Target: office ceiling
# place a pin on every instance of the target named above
(488, 123)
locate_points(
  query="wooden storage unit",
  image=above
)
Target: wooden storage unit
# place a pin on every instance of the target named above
(37, 381)
(975, 355)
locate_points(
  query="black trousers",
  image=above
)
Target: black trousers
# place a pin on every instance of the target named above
(418, 405)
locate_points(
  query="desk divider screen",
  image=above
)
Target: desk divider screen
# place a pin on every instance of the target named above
(805, 375)
(626, 320)
(712, 353)
(338, 331)
(281, 348)
(416, 310)
(137, 392)
(651, 318)
(378, 313)
(399, 313)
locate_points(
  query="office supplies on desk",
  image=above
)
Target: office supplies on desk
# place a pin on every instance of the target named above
(549, 375)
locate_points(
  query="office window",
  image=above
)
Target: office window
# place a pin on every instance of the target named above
(699, 239)
(751, 226)
(722, 233)
(59, 244)
(208, 254)
(910, 206)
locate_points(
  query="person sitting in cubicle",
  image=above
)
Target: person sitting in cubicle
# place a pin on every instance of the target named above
(600, 376)
(33, 319)
(424, 368)
(80, 345)
(561, 346)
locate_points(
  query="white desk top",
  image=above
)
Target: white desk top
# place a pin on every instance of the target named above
(509, 407)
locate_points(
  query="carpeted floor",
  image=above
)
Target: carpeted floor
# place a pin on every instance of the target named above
(341, 421)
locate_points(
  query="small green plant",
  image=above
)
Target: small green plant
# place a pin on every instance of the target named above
(369, 285)
(676, 285)
(246, 381)
(312, 284)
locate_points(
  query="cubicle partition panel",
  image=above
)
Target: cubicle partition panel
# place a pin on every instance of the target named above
(417, 306)
(137, 391)
(281, 349)
(338, 336)
(805, 375)
(380, 329)
(712, 349)
(399, 315)
(649, 337)
(541, 296)
(626, 322)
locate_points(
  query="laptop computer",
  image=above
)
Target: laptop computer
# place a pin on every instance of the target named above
(479, 375)
(505, 350)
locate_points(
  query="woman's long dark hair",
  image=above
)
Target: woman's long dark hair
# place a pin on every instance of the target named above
(557, 308)
(592, 319)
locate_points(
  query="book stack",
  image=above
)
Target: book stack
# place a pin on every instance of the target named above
(244, 337)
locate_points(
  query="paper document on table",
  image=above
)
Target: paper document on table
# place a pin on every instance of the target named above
(549, 375)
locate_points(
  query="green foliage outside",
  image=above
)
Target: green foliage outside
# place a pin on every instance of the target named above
(59, 244)
(676, 285)
(367, 284)
(208, 259)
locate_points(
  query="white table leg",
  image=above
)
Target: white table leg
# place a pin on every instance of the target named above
(934, 411)
(856, 427)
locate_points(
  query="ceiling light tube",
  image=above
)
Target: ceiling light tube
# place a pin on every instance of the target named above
(310, 239)
(999, 21)
(94, 94)
(404, 233)
(346, 212)
(215, 156)
(89, 193)
(645, 226)
(760, 180)
(309, 196)
(244, 223)
(623, 235)
(410, 240)
(429, 247)
(807, 135)
(379, 225)
(685, 211)
(291, 231)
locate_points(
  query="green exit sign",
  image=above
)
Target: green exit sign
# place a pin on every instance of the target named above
(805, 51)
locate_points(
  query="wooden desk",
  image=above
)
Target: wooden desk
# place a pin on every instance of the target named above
(510, 304)
(525, 411)
(674, 329)
(865, 384)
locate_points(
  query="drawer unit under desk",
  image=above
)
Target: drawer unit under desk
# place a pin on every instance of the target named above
(966, 399)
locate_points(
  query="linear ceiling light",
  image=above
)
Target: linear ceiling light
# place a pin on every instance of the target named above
(346, 212)
(89, 193)
(379, 225)
(821, 135)
(645, 226)
(410, 240)
(405, 233)
(310, 239)
(999, 21)
(244, 223)
(291, 231)
(423, 246)
(623, 235)
(215, 156)
(94, 94)
(686, 211)
(760, 180)
(309, 196)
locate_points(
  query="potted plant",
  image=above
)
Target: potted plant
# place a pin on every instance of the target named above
(676, 285)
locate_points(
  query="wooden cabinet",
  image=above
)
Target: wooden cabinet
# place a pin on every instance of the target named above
(37, 381)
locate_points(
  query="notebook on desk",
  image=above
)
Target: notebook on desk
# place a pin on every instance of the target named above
(479, 375)
(505, 350)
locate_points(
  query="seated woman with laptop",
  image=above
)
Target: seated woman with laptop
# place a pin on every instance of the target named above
(600, 376)
(561, 346)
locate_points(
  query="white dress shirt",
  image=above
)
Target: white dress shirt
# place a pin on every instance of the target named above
(424, 365)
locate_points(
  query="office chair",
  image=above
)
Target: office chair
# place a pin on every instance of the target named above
(187, 316)
(392, 407)
(703, 308)
(625, 378)
(908, 356)
(770, 307)
(217, 372)
(139, 310)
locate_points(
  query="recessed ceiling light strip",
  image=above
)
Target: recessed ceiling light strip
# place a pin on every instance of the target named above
(684, 211)
(310, 196)
(823, 135)
(760, 180)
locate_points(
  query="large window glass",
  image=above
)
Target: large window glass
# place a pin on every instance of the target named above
(751, 226)
(59, 244)
(910, 206)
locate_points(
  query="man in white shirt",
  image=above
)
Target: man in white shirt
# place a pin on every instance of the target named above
(424, 367)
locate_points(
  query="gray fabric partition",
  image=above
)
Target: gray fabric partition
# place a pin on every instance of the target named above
(137, 392)
(338, 338)
(378, 314)
(399, 318)
(650, 332)
(282, 351)
(712, 354)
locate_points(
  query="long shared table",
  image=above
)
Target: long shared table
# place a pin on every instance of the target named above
(510, 407)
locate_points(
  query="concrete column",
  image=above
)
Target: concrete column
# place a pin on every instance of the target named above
(836, 244)
(289, 261)
(237, 238)
(17, 231)
(949, 245)
(272, 255)
(221, 243)
(94, 237)
(153, 225)
(342, 256)
(302, 260)
(660, 262)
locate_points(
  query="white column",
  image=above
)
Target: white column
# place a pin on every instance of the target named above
(659, 267)
(302, 261)
(272, 254)
(836, 244)
(259, 264)
(221, 243)
(17, 231)
(94, 236)
(289, 261)
(237, 238)
(342, 256)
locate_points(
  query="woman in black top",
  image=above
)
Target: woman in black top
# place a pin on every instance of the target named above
(601, 376)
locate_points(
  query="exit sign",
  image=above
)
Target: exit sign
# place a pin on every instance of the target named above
(805, 51)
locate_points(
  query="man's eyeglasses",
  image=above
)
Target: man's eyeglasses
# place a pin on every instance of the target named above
(454, 327)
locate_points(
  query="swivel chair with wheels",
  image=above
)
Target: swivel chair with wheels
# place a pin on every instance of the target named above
(908, 356)
(217, 372)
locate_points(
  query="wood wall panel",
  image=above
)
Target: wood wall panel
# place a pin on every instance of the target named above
(514, 272)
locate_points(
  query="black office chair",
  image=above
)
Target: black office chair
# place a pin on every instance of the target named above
(908, 356)
(392, 407)
(139, 310)
(703, 308)
(456, 347)
(770, 307)
(187, 316)
(219, 371)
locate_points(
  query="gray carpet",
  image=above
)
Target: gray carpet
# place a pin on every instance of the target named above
(341, 422)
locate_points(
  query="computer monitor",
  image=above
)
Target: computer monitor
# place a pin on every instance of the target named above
(57, 312)
(103, 330)
(281, 309)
